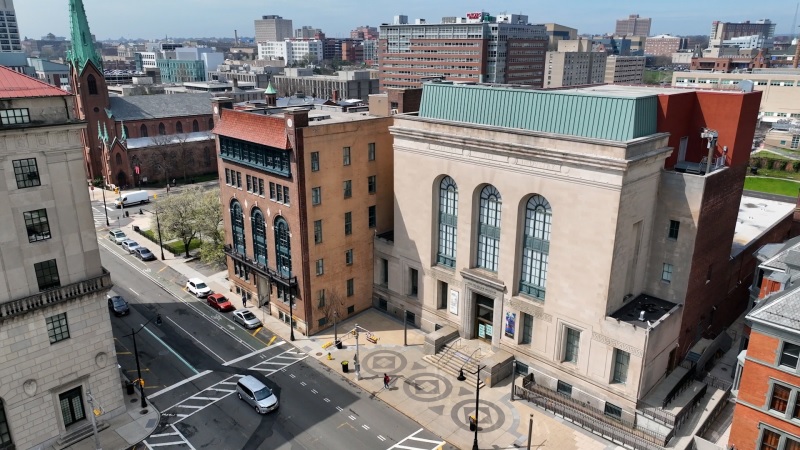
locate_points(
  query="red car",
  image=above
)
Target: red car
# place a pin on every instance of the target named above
(219, 302)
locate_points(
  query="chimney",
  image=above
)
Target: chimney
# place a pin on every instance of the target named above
(298, 117)
(335, 96)
(641, 315)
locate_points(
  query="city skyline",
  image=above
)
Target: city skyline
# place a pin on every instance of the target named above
(208, 18)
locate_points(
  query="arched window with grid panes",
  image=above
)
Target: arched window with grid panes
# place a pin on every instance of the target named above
(489, 229)
(237, 228)
(259, 237)
(283, 248)
(535, 247)
(448, 222)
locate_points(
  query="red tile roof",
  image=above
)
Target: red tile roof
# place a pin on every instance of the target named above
(16, 85)
(250, 127)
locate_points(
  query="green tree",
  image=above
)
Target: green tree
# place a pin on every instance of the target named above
(210, 226)
(179, 214)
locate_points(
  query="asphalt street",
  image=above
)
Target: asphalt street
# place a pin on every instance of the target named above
(190, 364)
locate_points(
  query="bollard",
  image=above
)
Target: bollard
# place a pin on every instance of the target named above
(329, 356)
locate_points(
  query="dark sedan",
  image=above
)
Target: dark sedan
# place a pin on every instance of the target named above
(144, 254)
(118, 306)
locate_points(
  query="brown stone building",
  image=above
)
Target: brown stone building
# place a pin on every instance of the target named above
(304, 192)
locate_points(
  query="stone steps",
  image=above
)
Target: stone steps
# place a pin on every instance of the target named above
(452, 361)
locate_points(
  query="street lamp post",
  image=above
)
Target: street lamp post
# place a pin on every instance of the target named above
(136, 354)
(461, 377)
(105, 183)
(158, 226)
(291, 315)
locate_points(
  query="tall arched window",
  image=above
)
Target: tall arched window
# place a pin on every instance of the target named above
(92, 82)
(237, 228)
(143, 131)
(210, 124)
(283, 248)
(259, 237)
(195, 126)
(178, 127)
(489, 229)
(448, 221)
(119, 159)
(535, 247)
(162, 130)
(125, 131)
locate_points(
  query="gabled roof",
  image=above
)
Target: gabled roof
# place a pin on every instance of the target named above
(16, 85)
(782, 309)
(159, 106)
(251, 127)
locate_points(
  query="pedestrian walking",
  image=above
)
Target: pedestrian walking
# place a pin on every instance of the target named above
(386, 380)
(244, 302)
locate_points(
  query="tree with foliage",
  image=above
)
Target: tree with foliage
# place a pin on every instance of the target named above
(180, 215)
(209, 216)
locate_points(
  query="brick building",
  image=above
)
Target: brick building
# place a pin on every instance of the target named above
(664, 45)
(107, 157)
(768, 378)
(305, 189)
(504, 50)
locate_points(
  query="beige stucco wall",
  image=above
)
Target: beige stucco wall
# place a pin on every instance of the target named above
(597, 190)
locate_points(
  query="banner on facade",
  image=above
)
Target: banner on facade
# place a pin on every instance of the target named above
(454, 302)
(511, 320)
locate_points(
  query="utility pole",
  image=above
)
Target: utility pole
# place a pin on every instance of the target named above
(530, 431)
(90, 399)
(358, 365)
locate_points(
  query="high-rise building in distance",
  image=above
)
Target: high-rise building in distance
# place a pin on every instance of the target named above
(273, 28)
(633, 26)
(9, 32)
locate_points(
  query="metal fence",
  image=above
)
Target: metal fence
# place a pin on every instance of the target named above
(589, 418)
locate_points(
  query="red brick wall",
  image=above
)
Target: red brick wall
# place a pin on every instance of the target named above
(754, 390)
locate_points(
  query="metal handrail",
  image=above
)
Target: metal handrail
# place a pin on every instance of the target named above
(451, 347)
(470, 358)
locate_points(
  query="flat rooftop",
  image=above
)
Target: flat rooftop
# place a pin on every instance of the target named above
(756, 217)
(654, 309)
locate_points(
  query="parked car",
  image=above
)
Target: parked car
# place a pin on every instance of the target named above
(129, 245)
(118, 305)
(143, 253)
(256, 394)
(246, 319)
(198, 287)
(117, 236)
(219, 302)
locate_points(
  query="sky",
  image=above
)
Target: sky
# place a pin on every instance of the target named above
(153, 19)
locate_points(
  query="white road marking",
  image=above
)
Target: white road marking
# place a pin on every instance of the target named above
(234, 361)
(302, 383)
(163, 435)
(412, 436)
(196, 340)
(134, 292)
(180, 383)
(366, 427)
(339, 408)
(170, 349)
(314, 391)
(291, 374)
(381, 438)
(352, 417)
(327, 400)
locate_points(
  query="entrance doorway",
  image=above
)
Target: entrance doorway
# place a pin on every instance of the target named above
(484, 318)
(71, 403)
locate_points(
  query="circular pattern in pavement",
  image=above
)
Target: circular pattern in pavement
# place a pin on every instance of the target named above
(427, 387)
(384, 361)
(490, 416)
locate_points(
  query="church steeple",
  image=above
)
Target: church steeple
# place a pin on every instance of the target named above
(83, 49)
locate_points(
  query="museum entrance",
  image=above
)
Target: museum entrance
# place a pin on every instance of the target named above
(484, 318)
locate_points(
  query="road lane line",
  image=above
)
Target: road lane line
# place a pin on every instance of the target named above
(134, 292)
(178, 384)
(273, 340)
(234, 361)
(256, 332)
(171, 350)
(197, 340)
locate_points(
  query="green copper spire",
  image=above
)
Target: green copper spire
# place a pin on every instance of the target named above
(83, 49)
(270, 89)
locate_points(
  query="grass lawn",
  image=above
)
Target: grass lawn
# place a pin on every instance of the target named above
(779, 174)
(771, 186)
(178, 248)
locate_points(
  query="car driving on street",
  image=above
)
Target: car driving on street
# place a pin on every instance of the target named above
(118, 305)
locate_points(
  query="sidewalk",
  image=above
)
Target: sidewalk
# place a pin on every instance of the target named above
(421, 391)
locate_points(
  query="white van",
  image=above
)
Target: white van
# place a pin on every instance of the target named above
(256, 394)
(132, 198)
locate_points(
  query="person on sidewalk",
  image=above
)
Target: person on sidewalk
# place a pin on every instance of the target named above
(386, 380)
(244, 302)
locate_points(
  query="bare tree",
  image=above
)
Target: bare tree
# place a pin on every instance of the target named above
(332, 306)
(160, 155)
(184, 154)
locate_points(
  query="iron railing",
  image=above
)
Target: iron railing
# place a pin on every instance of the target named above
(686, 380)
(54, 296)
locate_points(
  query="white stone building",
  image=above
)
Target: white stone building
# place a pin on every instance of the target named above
(291, 51)
(54, 324)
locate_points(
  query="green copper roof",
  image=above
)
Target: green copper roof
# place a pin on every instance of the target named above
(616, 116)
(83, 49)
(270, 89)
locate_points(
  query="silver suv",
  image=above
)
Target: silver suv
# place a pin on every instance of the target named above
(256, 394)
